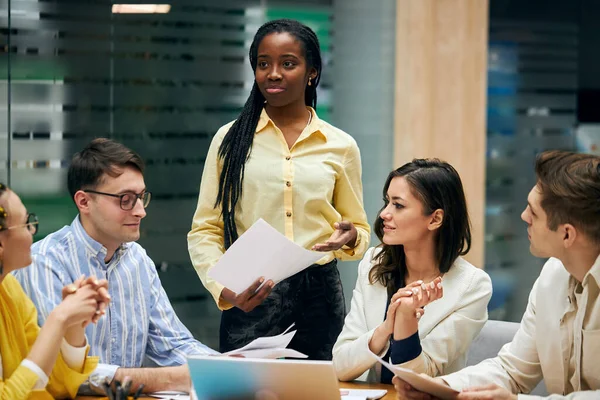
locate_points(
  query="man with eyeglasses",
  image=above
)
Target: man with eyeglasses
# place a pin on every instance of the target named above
(106, 182)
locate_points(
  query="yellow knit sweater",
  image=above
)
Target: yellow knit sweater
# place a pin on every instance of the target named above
(18, 332)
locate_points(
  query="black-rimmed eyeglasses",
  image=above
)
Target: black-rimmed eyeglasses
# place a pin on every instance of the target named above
(127, 200)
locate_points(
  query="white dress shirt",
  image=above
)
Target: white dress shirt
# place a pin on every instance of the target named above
(559, 341)
(446, 330)
(140, 321)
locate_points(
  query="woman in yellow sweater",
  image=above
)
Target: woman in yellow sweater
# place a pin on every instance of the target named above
(50, 362)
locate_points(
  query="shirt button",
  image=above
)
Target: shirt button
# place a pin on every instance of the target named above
(289, 214)
(288, 184)
(114, 340)
(288, 158)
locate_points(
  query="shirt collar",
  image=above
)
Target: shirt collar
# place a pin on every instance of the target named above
(593, 273)
(315, 126)
(94, 247)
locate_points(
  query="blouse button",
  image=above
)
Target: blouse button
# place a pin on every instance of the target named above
(288, 184)
(288, 158)
(289, 214)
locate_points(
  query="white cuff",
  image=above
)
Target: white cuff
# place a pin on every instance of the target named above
(455, 381)
(43, 378)
(383, 352)
(103, 373)
(74, 356)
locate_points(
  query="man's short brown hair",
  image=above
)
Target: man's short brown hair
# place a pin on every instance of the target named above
(101, 156)
(570, 187)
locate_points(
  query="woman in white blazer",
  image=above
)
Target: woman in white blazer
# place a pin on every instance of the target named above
(424, 229)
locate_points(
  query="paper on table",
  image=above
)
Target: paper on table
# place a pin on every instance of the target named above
(261, 251)
(420, 382)
(170, 395)
(269, 347)
(273, 353)
(370, 394)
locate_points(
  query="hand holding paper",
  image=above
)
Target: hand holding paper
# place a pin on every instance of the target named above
(260, 252)
(420, 382)
(250, 298)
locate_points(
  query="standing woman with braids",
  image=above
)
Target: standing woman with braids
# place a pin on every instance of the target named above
(280, 162)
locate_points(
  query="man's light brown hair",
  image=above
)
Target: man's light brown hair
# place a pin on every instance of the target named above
(101, 156)
(570, 187)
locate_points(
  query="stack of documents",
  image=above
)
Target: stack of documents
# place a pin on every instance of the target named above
(269, 347)
(261, 251)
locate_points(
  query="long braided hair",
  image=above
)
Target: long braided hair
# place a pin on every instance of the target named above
(237, 143)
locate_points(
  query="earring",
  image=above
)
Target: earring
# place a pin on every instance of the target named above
(309, 83)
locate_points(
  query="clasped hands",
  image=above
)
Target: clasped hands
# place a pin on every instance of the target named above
(90, 295)
(409, 302)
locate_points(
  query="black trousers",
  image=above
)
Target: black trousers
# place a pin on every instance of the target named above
(313, 299)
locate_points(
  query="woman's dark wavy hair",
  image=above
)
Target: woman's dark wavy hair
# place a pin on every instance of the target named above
(237, 143)
(437, 184)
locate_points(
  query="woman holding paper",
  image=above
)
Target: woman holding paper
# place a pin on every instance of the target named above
(280, 162)
(424, 229)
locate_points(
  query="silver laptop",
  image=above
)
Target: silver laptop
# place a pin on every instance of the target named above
(232, 378)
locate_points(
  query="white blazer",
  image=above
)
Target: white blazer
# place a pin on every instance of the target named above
(446, 330)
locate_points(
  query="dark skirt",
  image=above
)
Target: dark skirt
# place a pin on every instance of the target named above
(313, 299)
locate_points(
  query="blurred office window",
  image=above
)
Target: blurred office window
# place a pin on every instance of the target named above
(363, 97)
(532, 99)
(161, 83)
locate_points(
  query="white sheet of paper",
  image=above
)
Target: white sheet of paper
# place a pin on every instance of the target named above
(373, 394)
(272, 353)
(423, 383)
(267, 342)
(269, 347)
(170, 395)
(261, 251)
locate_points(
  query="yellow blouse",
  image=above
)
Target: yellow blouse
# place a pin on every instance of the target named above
(18, 332)
(300, 191)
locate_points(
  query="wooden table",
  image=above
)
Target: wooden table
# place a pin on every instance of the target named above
(391, 393)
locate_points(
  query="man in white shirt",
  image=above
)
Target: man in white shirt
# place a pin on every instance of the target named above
(559, 336)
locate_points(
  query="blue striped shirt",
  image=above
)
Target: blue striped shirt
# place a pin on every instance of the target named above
(140, 321)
